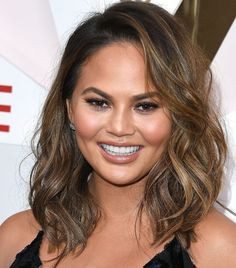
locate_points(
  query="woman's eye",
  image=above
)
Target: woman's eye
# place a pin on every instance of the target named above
(98, 103)
(146, 106)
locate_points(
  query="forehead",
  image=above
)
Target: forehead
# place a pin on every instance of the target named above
(118, 50)
(115, 66)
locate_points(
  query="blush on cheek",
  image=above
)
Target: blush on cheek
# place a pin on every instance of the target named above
(157, 132)
(87, 125)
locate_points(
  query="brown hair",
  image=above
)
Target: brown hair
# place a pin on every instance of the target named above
(184, 184)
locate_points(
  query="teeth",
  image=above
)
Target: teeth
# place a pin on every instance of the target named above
(120, 150)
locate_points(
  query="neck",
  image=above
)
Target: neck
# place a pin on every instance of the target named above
(117, 202)
(119, 209)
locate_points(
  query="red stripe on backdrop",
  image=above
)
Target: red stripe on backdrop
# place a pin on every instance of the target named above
(5, 89)
(4, 128)
(5, 108)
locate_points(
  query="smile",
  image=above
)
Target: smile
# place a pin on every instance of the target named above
(120, 150)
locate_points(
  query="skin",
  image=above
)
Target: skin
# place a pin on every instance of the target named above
(118, 70)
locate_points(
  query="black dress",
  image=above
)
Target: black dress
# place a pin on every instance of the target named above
(173, 256)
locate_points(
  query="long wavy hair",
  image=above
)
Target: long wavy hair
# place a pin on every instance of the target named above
(184, 184)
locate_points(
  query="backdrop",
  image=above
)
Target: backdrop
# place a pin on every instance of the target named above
(32, 36)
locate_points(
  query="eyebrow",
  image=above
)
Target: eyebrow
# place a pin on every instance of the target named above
(110, 98)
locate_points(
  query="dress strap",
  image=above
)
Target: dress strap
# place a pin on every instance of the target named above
(172, 256)
(29, 256)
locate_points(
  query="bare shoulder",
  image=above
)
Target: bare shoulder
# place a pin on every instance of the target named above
(16, 232)
(216, 242)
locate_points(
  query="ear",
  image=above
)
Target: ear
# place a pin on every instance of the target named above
(69, 110)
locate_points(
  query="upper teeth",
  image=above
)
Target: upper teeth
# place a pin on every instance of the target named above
(120, 150)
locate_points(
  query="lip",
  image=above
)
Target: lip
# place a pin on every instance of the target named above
(119, 159)
(120, 144)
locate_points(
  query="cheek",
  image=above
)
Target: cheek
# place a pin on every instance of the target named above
(157, 132)
(87, 125)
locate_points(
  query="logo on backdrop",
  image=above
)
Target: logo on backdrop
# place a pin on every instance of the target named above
(4, 127)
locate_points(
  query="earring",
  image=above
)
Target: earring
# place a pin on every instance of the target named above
(72, 127)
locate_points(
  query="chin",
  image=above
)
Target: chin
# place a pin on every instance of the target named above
(122, 180)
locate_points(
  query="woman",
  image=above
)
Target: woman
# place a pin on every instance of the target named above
(130, 154)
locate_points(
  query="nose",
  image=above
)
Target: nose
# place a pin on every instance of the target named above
(121, 123)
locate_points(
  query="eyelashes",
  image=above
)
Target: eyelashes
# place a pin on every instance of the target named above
(142, 107)
(98, 103)
(146, 106)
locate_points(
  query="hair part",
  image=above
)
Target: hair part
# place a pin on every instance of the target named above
(184, 184)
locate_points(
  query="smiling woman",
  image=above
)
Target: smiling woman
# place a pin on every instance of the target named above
(121, 130)
(130, 155)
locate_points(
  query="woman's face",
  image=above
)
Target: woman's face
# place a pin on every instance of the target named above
(120, 130)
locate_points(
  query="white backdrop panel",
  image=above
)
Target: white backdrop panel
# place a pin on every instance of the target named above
(28, 37)
(26, 101)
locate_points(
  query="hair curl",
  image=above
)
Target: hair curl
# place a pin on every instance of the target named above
(184, 184)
